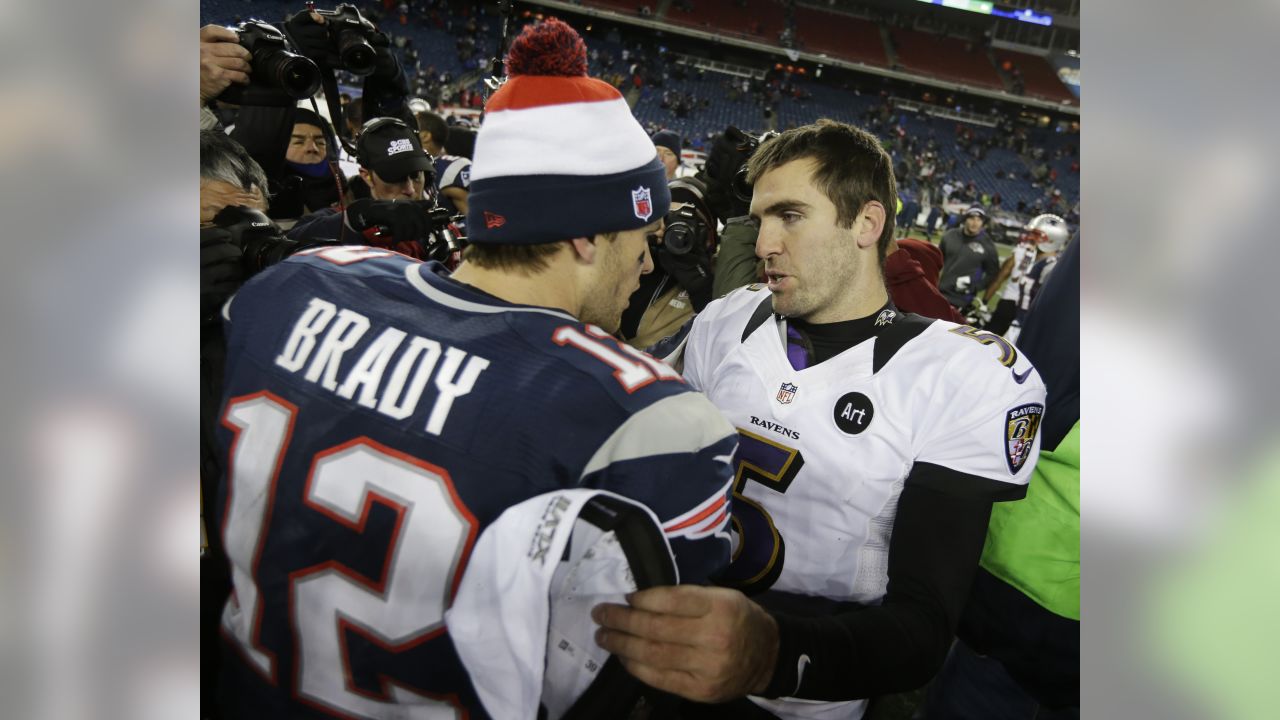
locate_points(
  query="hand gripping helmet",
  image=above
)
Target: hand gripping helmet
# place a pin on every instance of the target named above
(1048, 232)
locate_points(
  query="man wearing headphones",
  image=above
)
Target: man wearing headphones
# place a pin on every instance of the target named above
(401, 183)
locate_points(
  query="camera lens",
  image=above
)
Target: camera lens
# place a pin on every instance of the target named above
(678, 238)
(741, 188)
(298, 76)
(357, 55)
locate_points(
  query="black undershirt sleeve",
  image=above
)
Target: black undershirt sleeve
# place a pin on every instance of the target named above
(859, 652)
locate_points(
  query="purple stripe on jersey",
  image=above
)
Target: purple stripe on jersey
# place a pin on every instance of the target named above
(797, 354)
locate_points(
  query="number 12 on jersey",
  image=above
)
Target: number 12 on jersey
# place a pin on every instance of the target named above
(424, 559)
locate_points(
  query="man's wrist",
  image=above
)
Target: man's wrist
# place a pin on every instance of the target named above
(784, 677)
(769, 658)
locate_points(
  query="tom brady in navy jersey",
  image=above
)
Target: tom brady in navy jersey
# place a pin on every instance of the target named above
(379, 413)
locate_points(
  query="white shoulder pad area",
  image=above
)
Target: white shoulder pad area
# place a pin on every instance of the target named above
(684, 423)
(986, 408)
(716, 328)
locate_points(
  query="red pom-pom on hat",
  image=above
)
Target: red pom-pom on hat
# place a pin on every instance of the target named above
(550, 47)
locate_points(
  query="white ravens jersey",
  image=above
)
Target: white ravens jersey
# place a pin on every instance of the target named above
(824, 451)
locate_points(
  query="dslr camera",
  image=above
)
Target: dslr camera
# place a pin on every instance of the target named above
(689, 227)
(279, 76)
(258, 238)
(350, 33)
(684, 229)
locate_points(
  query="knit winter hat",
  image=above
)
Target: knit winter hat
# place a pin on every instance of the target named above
(559, 154)
(669, 140)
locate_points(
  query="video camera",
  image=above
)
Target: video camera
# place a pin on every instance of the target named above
(279, 76)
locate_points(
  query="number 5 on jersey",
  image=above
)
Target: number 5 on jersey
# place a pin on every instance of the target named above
(757, 562)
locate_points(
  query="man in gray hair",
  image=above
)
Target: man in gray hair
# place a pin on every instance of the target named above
(228, 176)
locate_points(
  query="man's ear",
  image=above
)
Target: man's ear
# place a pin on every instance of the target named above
(364, 175)
(870, 223)
(584, 249)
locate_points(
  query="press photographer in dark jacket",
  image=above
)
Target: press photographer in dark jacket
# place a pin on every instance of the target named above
(680, 284)
(229, 178)
(401, 180)
(265, 130)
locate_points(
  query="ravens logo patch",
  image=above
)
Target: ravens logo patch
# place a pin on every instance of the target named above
(1021, 425)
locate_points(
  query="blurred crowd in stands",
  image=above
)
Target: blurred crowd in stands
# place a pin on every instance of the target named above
(446, 47)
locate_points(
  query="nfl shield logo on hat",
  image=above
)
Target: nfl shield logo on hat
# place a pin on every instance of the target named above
(642, 202)
(786, 393)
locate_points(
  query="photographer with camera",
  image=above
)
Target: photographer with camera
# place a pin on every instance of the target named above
(236, 240)
(400, 214)
(680, 284)
(291, 64)
(223, 61)
(728, 195)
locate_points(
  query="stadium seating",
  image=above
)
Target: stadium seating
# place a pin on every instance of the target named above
(840, 35)
(945, 58)
(1038, 76)
(759, 20)
(818, 31)
(630, 7)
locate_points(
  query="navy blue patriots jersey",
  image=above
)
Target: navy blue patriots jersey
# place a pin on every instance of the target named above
(377, 416)
(451, 172)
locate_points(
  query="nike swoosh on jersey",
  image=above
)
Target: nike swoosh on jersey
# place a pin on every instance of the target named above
(1021, 378)
(801, 664)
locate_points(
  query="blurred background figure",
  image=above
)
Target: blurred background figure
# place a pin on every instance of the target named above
(670, 147)
(1017, 656)
(452, 173)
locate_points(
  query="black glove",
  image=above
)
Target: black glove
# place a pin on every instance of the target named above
(404, 220)
(221, 271)
(692, 271)
(311, 39)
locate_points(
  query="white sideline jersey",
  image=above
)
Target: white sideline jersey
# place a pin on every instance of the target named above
(824, 451)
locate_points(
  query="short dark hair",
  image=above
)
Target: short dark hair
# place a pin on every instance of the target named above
(853, 169)
(524, 259)
(434, 124)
